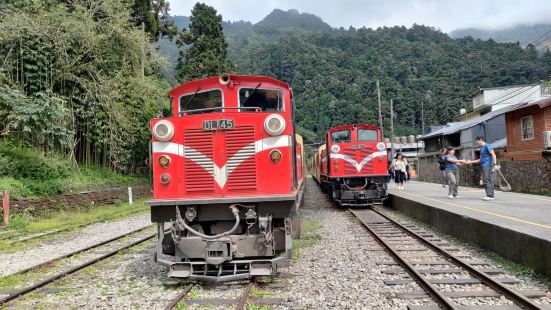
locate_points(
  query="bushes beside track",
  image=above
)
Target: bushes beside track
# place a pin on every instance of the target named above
(27, 173)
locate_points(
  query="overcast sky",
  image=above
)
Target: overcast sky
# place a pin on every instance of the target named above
(447, 15)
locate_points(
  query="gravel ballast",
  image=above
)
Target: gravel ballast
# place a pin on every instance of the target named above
(62, 244)
(343, 270)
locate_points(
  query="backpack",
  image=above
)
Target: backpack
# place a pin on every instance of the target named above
(441, 163)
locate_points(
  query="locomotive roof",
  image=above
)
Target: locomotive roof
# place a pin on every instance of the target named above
(342, 127)
(214, 81)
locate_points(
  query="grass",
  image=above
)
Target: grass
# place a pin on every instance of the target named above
(310, 236)
(193, 293)
(259, 307)
(181, 306)
(259, 293)
(24, 223)
(27, 173)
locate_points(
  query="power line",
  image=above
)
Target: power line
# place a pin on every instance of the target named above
(517, 95)
(513, 92)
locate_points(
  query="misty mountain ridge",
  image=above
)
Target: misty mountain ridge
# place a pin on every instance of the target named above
(539, 34)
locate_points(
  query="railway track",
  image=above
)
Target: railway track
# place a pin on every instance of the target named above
(23, 237)
(52, 278)
(398, 239)
(242, 301)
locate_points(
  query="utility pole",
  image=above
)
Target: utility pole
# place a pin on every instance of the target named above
(380, 115)
(142, 60)
(392, 127)
(422, 118)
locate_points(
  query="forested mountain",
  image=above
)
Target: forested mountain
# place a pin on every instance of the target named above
(333, 71)
(539, 35)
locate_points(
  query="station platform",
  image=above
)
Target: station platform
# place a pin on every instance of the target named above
(514, 225)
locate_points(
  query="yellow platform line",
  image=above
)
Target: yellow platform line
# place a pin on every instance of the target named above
(472, 189)
(481, 211)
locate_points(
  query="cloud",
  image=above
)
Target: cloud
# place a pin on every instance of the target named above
(447, 15)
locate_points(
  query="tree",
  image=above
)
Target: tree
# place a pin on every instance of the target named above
(208, 51)
(155, 18)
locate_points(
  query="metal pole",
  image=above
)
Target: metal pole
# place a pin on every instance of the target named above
(130, 202)
(142, 60)
(380, 112)
(6, 208)
(422, 118)
(392, 127)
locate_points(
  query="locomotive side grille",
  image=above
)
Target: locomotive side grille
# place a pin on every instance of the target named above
(198, 164)
(368, 167)
(349, 169)
(241, 156)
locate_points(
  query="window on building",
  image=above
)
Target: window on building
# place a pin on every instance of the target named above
(268, 100)
(367, 135)
(208, 99)
(527, 125)
(340, 136)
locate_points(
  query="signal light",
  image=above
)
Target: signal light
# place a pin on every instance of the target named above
(275, 156)
(165, 178)
(164, 161)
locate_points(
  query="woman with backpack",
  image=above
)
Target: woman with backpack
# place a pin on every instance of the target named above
(442, 167)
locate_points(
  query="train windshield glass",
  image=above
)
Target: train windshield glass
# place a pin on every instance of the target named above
(367, 135)
(268, 100)
(208, 99)
(340, 136)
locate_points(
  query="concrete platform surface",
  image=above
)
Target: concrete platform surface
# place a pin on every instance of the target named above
(514, 225)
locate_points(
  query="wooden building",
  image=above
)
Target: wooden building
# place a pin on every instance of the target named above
(529, 131)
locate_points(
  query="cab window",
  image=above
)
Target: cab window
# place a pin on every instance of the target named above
(340, 136)
(201, 100)
(268, 100)
(367, 135)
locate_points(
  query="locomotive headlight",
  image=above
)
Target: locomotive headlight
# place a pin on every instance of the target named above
(274, 124)
(163, 130)
(164, 161)
(275, 156)
(165, 178)
(381, 146)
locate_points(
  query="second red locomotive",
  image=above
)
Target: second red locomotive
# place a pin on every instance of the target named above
(352, 165)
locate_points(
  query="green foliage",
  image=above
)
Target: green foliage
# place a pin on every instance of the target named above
(28, 173)
(72, 79)
(207, 54)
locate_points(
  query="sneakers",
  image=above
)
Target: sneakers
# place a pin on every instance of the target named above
(488, 198)
(450, 196)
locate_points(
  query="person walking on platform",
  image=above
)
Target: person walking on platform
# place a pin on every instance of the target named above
(452, 171)
(488, 163)
(442, 167)
(399, 165)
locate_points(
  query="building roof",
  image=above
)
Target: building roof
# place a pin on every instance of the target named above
(542, 103)
(482, 89)
(452, 128)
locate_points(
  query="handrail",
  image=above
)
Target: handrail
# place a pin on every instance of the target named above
(182, 113)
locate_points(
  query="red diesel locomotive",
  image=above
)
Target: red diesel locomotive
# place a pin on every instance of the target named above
(352, 165)
(228, 175)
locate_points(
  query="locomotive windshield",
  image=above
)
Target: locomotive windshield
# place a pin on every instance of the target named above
(207, 99)
(367, 135)
(340, 136)
(268, 100)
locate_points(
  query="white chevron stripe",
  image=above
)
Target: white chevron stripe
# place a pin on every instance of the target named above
(364, 161)
(221, 174)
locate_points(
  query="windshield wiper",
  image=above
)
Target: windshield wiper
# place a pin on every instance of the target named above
(193, 96)
(251, 94)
